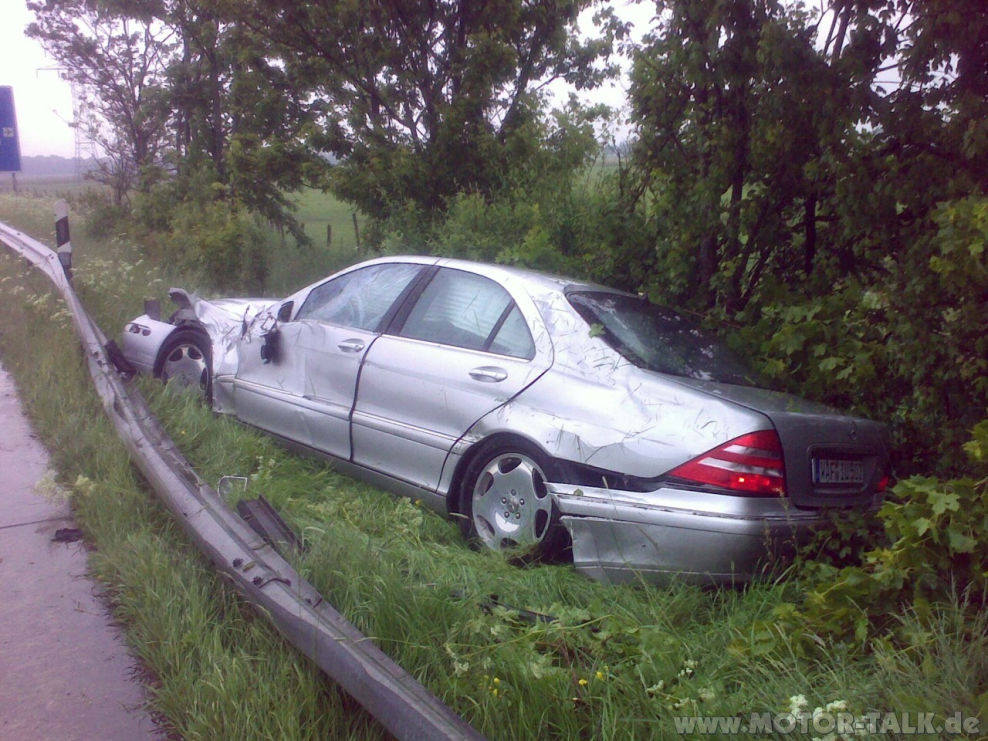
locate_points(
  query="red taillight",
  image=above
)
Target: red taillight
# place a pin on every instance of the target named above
(883, 483)
(750, 465)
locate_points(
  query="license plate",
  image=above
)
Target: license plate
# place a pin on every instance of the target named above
(837, 471)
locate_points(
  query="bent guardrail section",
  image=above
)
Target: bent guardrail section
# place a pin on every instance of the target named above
(399, 702)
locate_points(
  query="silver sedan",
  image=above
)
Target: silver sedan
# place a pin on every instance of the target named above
(549, 415)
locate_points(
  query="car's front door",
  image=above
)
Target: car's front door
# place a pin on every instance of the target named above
(304, 389)
(464, 349)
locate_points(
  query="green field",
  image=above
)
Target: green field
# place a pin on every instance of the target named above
(292, 265)
(615, 662)
(317, 211)
(45, 187)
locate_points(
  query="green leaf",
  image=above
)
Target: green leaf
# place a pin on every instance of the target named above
(941, 501)
(960, 542)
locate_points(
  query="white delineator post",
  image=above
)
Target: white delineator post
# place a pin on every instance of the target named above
(62, 237)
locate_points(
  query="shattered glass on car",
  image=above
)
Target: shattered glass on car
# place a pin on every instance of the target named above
(658, 339)
(360, 298)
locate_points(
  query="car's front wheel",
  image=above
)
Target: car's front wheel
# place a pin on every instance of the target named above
(185, 357)
(506, 504)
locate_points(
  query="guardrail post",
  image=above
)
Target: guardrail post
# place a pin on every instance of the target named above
(62, 237)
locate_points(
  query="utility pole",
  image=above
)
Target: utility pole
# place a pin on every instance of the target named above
(82, 143)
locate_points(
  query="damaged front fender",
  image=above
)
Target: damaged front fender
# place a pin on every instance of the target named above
(224, 321)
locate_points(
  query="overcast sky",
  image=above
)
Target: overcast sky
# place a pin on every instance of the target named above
(43, 101)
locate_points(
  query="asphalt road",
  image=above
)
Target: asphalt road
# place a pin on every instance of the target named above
(65, 672)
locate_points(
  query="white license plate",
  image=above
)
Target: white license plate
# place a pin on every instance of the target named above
(837, 471)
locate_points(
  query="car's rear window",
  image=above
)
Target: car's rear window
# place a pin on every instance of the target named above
(659, 339)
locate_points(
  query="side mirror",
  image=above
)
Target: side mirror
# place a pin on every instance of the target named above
(285, 311)
(271, 349)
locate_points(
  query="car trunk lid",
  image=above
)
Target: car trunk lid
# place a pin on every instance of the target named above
(831, 459)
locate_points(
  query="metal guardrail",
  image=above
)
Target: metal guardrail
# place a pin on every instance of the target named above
(398, 701)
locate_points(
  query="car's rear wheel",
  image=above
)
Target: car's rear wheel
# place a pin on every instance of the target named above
(506, 504)
(185, 358)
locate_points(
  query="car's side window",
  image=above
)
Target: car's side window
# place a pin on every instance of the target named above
(470, 311)
(359, 299)
(513, 337)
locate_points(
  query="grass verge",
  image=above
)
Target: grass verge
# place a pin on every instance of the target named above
(616, 662)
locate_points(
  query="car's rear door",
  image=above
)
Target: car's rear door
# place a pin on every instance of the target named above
(305, 392)
(463, 348)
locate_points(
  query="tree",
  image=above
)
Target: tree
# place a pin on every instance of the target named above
(768, 144)
(236, 114)
(169, 86)
(821, 177)
(736, 113)
(118, 60)
(424, 100)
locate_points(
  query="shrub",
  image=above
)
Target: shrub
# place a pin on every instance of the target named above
(935, 553)
(223, 241)
(194, 222)
(908, 346)
(102, 217)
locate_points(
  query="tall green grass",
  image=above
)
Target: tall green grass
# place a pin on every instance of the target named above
(293, 266)
(615, 662)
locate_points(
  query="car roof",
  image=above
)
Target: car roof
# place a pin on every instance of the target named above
(531, 279)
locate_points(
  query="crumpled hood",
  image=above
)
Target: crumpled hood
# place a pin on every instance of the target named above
(236, 309)
(225, 320)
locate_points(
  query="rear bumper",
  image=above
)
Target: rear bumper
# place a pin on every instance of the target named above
(696, 537)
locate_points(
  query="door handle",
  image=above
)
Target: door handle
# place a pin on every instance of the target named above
(351, 345)
(489, 374)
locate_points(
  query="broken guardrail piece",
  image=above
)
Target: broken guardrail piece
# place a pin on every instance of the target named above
(266, 522)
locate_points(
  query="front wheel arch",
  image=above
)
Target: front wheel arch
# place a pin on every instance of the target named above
(189, 348)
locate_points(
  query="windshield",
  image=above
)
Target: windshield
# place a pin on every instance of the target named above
(659, 339)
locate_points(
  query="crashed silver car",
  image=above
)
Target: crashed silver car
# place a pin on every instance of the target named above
(547, 414)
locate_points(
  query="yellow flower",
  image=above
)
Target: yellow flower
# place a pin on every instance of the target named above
(599, 674)
(583, 682)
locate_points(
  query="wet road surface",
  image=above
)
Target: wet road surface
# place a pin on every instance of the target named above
(64, 668)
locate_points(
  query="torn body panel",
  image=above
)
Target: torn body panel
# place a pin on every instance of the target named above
(224, 321)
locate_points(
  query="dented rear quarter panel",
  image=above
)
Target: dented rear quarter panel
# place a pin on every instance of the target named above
(593, 407)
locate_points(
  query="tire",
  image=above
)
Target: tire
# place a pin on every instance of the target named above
(186, 358)
(505, 503)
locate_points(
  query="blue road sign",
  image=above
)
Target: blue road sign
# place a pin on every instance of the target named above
(10, 148)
